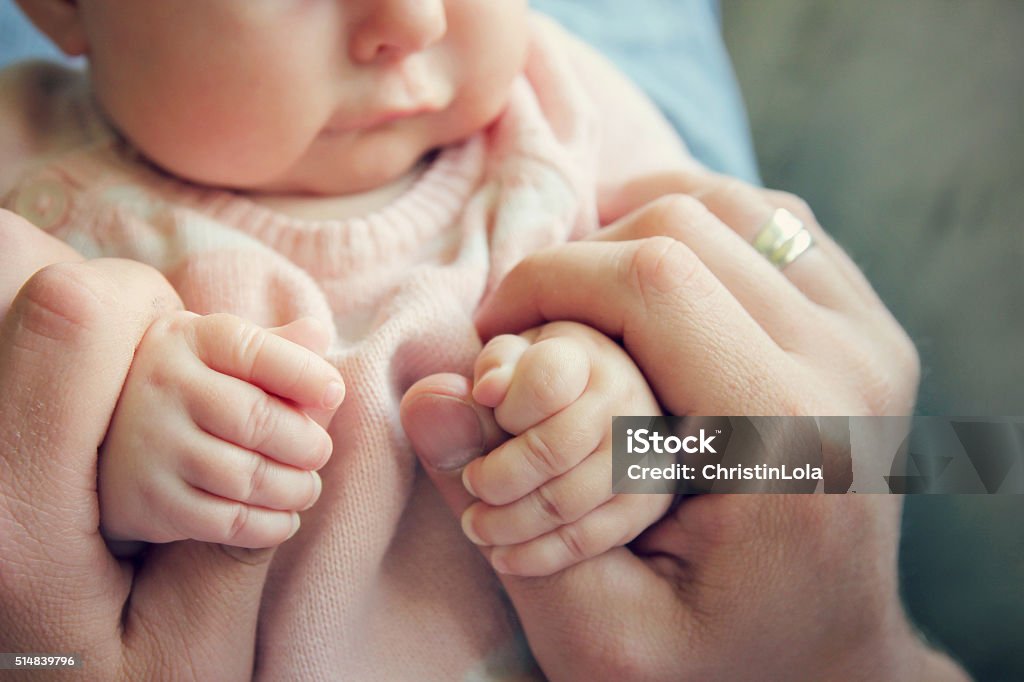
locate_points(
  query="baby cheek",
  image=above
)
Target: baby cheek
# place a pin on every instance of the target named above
(235, 143)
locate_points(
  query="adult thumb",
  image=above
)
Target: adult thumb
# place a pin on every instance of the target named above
(448, 430)
(199, 599)
(587, 622)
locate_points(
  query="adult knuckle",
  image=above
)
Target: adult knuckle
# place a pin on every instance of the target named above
(893, 390)
(661, 265)
(733, 192)
(907, 357)
(672, 214)
(64, 302)
(879, 385)
(796, 205)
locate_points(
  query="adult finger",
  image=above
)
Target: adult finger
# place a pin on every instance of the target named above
(770, 298)
(448, 430)
(24, 250)
(822, 273)
(65, 348)
(646, 292)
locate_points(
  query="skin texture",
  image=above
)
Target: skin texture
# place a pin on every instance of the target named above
(791, 587)
(233, 456)
(179, 610)
(545, 494)
(781, 587)
(788, 587)
(299, 99)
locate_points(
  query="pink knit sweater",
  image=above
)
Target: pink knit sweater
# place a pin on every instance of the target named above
(379, 583)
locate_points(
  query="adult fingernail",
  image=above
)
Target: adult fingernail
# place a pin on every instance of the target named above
(445, 432)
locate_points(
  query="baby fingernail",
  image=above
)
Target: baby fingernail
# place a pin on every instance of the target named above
(498, 561)
(489, 373)
(296, 522)
(466, 484)
(334, 394)
(318, 486)
(467, 528)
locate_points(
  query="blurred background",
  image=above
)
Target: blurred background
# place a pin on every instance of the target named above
(902, 123)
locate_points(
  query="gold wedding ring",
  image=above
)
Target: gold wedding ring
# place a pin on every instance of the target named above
(783, 238)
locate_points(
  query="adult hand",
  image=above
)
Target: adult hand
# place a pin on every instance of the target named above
(724, 587)
(183, 610)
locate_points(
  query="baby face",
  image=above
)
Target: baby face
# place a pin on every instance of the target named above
(324, 97)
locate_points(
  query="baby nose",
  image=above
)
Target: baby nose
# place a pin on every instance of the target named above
(394, 28)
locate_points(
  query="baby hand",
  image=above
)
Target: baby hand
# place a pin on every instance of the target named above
(211, 439)
(545, 495)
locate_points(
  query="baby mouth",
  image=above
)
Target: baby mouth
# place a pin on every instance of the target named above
(375, 120)
(404, 92)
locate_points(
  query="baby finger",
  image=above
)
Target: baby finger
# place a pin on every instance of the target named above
(241, 413)
(556, 503)
(232, 473)
(543, 452)
(209, 518)
(615, 523)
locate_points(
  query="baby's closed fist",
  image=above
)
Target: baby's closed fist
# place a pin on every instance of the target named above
(212, 437)
(545, 495)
